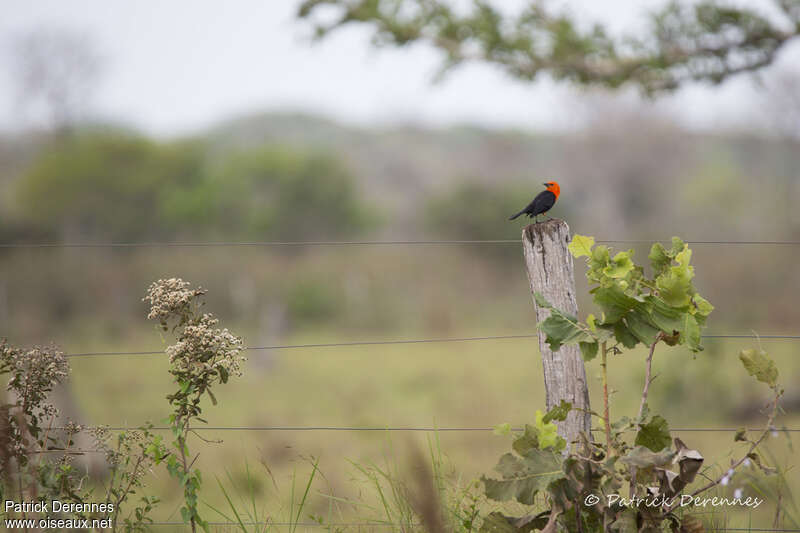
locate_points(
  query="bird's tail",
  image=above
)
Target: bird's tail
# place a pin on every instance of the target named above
(512, 217)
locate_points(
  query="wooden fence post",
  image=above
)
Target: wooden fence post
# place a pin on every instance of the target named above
(550, 272)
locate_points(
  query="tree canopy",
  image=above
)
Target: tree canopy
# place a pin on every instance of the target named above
(702, 41)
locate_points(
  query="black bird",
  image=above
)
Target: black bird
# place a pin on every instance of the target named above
(543, 202)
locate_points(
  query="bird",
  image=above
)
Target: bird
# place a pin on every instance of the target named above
(543, 202)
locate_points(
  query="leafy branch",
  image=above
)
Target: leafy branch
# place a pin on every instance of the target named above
(704, 41)
(202, 357)
(634, 308)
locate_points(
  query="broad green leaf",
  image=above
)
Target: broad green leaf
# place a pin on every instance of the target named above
(675, 287)
(562, 328)
(663, 316)
(677, 246)
(654, 435)
(547, 433)
(558, 412)
(640, 327)
(589, 350)
(620, 266)
(523, 478)
(702, 306)
(684, 257)
(581, 245)
(690, 333)
(529, 440)
(624, 336)
(759, 365)
(614, 303)
(659, 259)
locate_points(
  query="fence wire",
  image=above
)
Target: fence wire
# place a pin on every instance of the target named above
(213, 244)
(429, 429)
(409, 341)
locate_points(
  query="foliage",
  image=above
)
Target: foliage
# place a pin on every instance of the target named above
(36, 458)
(577, 478)
(707, 40)
(130, 456)
(470, 211)
(120, 186)
(202, 357)
(286, 194)
(103, 185)
(633, 308)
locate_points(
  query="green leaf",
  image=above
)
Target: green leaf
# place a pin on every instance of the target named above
(620, 266)
(664, 316)
(624, 336)
(659, 259)
(558, 412)
(614, 303)
(654, 435)
(523, 478)
(588, 350)
(547, 432)
(702, 305)
(759, 365)
(740, 436)
(674, 287)
(502, 429)
(526, 442)
(581, 246)
(640, 327)
(690, 333)
(677, 246)
(561, 328)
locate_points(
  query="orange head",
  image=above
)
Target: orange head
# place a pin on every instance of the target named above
(553, 187)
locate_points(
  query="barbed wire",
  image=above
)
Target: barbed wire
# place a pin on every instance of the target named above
(211, 244)
(409, 341)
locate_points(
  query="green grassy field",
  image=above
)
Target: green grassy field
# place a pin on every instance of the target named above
(469, 384)
(90, 301)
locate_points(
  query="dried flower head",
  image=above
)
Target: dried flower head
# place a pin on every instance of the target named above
(34, 373)
(202, 348)
(171, 299)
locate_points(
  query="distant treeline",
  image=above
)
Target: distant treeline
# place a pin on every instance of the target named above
(121, 186)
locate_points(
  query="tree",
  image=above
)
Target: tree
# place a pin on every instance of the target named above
(56, 73)
(704, 41)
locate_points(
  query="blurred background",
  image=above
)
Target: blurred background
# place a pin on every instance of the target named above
(184, 122)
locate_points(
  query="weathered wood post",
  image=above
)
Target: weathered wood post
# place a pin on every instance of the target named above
(550, 272)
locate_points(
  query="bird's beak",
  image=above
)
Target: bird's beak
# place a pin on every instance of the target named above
(546, 184)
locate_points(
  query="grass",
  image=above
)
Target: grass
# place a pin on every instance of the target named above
(468, 384)
(477, 384)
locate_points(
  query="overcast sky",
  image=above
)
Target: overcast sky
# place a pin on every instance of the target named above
(178, 65)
